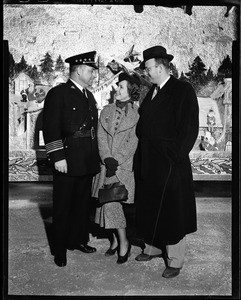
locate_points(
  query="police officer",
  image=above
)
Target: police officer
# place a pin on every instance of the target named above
(69, 128)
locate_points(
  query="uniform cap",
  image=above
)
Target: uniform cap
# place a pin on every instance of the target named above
(88, 58)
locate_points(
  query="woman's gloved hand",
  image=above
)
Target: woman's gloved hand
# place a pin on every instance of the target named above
(109, 173)
(111, 163)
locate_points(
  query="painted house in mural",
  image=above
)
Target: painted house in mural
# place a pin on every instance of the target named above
(22, 82)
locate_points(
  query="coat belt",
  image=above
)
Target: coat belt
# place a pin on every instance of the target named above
(84, 133)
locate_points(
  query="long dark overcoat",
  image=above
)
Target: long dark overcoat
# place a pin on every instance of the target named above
(167, 130)
(65, 111)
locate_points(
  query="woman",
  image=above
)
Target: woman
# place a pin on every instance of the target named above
(117, 144)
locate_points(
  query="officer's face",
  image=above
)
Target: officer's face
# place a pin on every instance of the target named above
(86, 75)
(152, 69)
(122, 91)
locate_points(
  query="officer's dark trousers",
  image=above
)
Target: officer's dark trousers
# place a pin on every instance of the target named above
(71, 210)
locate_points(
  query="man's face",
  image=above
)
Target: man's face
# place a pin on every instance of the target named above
(86, 75)
(122, 91)
(152, 70)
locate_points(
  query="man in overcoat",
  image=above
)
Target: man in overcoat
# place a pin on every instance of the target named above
(70, 119)
(167, 130)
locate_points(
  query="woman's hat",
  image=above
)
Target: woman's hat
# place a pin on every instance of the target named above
(131, 78)
(155, 52)
(88, 58)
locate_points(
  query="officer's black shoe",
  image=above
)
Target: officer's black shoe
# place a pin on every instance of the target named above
(60, 261)
(83, 247)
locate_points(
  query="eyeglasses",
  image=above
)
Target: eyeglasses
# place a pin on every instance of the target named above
(149, 69)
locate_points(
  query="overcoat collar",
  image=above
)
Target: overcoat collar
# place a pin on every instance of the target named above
(151, 105)
(166, 89)
(108, 114)
(74, 88)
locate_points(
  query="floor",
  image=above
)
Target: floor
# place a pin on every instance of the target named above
(31, 271)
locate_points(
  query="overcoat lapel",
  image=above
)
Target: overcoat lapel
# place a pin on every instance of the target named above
(152, 106)
(108, 115)
(131, 120)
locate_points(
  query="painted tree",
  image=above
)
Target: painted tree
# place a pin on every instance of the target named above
(210, 76)
(225, 69)
(59, 65)
(173, 70)
(21, 66)
(11, 66)
(197, 74)
(33, 73)
(47, 64)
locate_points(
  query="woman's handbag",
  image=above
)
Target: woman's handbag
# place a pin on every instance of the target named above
(113, 192)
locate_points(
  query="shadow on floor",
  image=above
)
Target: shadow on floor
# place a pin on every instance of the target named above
(95, 230)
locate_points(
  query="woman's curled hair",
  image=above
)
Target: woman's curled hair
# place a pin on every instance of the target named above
(133, 90)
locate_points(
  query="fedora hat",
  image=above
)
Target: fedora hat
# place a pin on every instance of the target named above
(155, 52)
(131, 78)
(88, 58)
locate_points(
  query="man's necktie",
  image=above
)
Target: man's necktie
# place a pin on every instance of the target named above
(155, 92)
(85, 93)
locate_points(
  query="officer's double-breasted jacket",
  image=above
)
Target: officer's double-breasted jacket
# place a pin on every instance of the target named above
(66, 110)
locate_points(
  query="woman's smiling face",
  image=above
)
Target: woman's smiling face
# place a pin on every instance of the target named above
(122, 91)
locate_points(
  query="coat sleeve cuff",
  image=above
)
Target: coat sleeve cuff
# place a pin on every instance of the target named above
(55, 150)
(56, 155)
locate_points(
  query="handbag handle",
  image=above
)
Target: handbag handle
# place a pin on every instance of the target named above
(117, 178)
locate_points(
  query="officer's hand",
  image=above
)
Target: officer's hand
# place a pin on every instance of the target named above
(61, 166)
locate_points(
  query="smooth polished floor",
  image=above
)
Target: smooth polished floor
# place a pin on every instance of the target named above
(31, 270)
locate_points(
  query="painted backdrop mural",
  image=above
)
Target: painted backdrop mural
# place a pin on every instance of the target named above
(119, 34)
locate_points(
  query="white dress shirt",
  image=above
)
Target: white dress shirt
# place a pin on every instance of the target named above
(159, 87)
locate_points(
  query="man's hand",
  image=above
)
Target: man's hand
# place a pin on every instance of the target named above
(61, 166)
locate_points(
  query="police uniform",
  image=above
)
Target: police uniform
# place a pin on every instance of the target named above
(69, 128)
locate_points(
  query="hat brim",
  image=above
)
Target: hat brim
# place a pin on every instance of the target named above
(87, 64)
(91, 65)
(168, 56)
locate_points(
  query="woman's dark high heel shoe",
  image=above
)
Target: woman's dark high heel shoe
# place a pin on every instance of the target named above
(111, 252)
(123, 259)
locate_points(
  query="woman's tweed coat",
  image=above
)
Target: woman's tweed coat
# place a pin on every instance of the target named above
(120, 144)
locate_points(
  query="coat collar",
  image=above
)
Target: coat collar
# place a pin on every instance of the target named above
(75, 89)
(151, 105)
(166, 89)
(107, 117)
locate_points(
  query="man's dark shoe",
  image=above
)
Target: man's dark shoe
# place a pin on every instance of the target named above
(60, 261)
(84, 248)
(146, 257)
(171, 272)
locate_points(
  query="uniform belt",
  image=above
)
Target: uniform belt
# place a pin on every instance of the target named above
(84, 133)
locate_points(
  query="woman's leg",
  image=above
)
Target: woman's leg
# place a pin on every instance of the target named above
(114, 242)
(123, 241)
